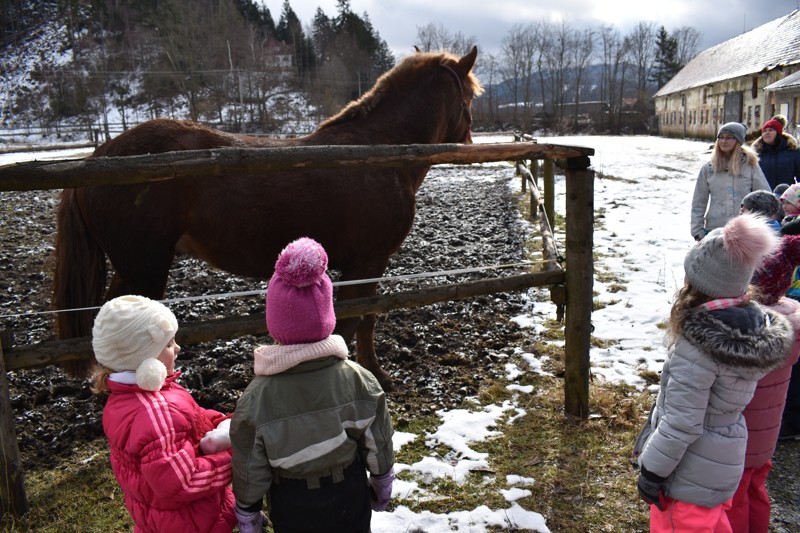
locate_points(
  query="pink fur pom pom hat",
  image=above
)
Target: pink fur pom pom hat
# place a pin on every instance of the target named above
(299, 306)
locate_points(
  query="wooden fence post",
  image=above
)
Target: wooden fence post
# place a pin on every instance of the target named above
(13, 499)
(549, 192)
(579, 276)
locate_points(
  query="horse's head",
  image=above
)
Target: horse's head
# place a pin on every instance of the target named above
(426, 98)
(467, 86)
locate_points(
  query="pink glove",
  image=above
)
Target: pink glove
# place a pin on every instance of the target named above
(250, 522)
(381, 490)
(218, 439)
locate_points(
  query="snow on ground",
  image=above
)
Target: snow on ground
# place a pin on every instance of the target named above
(642, 192)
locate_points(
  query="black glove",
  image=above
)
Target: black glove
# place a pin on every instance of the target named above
(649, 486)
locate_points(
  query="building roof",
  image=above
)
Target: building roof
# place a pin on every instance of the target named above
(791, 81)
(774, 44)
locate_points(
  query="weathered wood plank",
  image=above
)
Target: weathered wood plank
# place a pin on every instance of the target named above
(44, 175)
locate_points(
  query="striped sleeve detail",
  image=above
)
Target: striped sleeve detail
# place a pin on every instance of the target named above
(183, 464)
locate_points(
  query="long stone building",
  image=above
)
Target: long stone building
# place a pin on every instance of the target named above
(747, 79)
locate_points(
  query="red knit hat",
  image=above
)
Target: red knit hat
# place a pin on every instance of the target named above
(774, 124)
(774, 277)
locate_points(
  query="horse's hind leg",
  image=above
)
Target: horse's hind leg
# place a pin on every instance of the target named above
(148, 278)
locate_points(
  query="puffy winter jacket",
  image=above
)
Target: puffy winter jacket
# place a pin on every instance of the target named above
(308, 421)
(168, 485)
(779, 162)
(699, 435)
(763, 413)
(718, 196)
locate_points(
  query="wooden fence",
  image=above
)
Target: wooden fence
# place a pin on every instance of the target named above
(570, 288)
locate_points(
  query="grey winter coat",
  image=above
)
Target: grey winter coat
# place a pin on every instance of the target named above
(699, 435)
(718, 196)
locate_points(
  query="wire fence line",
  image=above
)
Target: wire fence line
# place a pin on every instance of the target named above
(258, 292)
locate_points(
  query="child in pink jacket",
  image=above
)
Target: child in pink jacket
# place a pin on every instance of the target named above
(170, 456)
(750, 508)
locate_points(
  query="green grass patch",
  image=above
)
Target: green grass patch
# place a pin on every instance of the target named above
(80, 495)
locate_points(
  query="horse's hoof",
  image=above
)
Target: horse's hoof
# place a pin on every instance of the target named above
(384, 379)
(386, 385)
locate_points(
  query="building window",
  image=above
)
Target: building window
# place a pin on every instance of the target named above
(754, 91)
(749, 115)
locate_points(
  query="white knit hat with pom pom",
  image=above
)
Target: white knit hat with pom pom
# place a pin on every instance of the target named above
(722, 263)
(129, 333)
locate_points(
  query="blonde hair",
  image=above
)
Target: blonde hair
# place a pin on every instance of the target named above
(732, 161)
(100, 379)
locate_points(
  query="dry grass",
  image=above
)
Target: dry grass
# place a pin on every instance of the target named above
(583, 480)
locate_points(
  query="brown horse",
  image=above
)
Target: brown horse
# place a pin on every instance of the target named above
(240, 223)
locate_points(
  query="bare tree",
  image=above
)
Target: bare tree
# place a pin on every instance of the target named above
(487, 70)
(555, 65)
(614, 67)
(583, 52)
(642, 54)
(688, 40)
(435, 38)
(516, 66)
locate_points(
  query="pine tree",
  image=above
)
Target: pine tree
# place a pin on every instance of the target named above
(290, 31)
(665, 64)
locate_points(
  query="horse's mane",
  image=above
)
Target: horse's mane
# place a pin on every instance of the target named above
(408, 69)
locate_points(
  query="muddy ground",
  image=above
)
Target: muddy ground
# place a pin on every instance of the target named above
(437, 355)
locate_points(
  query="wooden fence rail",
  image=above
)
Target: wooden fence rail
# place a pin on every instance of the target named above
(41, 175)
(572, 287)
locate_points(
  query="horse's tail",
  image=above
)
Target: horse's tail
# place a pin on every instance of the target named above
(79, 279)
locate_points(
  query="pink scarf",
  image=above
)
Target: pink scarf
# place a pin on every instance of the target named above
(272, 359)
(723, 303)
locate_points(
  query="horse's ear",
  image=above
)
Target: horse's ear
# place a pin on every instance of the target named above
(417, 49)
(465, 64)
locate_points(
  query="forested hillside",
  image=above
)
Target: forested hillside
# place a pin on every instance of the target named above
(225, 62)
(103, 65)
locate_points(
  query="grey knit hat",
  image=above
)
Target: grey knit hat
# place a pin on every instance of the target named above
(735, 129)
(721, 265)
(130, 331)
(762, 203)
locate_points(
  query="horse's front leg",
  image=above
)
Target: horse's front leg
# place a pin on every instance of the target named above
(364, 329)
(365, 351)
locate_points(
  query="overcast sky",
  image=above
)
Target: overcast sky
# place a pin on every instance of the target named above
(490, 20)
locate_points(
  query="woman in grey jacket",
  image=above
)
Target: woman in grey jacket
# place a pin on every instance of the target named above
(721, 345)
(723, 182)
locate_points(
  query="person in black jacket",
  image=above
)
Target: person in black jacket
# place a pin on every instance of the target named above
(778, 154)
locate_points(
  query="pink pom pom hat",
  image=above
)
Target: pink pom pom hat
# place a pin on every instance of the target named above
(299, 305)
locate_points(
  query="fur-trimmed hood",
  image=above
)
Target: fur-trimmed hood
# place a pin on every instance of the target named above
(748, 338)
(698, 434)
(787, 139)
